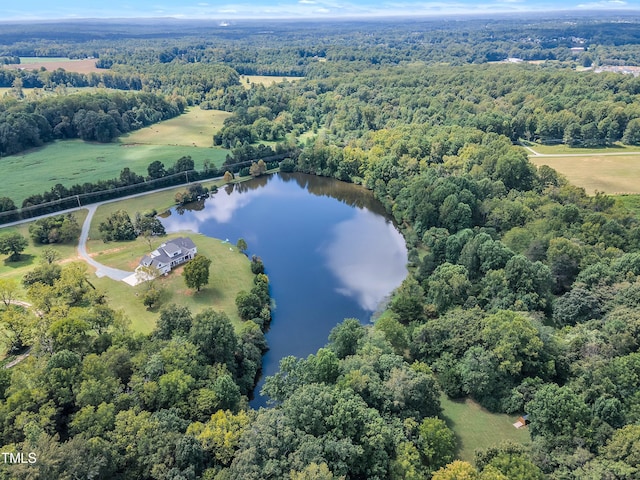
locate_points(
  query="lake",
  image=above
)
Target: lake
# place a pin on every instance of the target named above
(329, 249)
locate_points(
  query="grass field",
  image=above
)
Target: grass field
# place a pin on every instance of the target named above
(193, 128)
(31, 255)
(75, 162)
(38, 60)
(85, 65)
(160, 201)
(230, 272)
(265, 80)
(564, 149)
(631, 202)
(476, 428)
(608, 174)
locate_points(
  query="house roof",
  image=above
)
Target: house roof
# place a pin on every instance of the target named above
(171, 248)
(164, 253)
(183, 242)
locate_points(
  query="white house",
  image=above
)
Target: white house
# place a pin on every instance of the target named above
(170, 254)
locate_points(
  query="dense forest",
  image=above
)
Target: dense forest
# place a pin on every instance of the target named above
(523, 292)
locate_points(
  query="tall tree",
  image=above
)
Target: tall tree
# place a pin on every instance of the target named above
(13, 244)
(196, 272)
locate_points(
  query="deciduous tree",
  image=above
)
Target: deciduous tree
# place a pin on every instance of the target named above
(196, 272)
(13, 244)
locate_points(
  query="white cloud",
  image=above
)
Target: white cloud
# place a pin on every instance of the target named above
(603, 4)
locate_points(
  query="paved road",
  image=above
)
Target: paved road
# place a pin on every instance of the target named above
(101, 270)
(75, 209)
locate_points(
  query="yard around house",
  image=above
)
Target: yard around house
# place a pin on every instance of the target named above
(477, 428)
(230, 272)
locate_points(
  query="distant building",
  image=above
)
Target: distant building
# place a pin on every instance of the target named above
(170, 254)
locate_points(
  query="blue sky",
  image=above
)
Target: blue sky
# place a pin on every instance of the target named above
(230, 9)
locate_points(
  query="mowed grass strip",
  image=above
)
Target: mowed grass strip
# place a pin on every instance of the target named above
(73, 162)
(230, 272)
(193, 128)
(562, 149)
(608, 174)
(477, 428)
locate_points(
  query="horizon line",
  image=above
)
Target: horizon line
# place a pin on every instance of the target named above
(535, 11)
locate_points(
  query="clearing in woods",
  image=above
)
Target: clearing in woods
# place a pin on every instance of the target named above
(193, 128)
(476, 427)
(612, 174)
(266, 80)
(85, 65)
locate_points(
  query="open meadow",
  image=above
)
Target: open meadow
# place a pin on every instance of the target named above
(475, 427)
(193, 128)
(71, 162)
(85, 65)
(562, 149)
(615, 174)
(266, 80)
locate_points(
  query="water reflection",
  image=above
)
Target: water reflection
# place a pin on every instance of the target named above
(328, 249)
(368, 257)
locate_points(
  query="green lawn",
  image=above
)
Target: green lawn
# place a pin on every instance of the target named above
(160, 201)
(31, 255)
(563, 149)
(29, 60)
(75, 162)
(476, 428)
(631, 202)
(230, 272)
(195, 127)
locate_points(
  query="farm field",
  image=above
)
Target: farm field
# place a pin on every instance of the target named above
(85, 65)
(75, 162)
(193, 128)
(617, 148)
(230, 273)
(266, 80)
(609, 174)
(475, 427)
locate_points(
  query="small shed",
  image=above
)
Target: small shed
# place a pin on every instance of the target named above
(523, 421)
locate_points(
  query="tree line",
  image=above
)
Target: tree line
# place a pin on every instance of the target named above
(100, 117)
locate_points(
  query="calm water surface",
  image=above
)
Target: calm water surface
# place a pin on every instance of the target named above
(328, 248)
